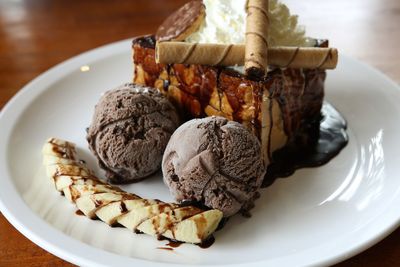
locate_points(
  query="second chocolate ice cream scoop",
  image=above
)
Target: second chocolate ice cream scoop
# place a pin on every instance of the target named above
(216, 162)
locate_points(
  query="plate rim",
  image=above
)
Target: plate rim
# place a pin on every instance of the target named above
(35, 88)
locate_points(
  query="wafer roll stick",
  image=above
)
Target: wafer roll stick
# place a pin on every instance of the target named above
(202, 54)
(231, 55)
(303, 57)
(256, 52)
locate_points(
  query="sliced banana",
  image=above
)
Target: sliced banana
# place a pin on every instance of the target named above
(60, 149)
(110, 204)
(64, 181)
(196, 228)
(58, 169)
(48, 160)
(112, 212)
(135, 217)
(88, 204)
(159, 224)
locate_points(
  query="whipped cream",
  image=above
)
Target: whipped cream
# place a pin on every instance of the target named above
(225, 23)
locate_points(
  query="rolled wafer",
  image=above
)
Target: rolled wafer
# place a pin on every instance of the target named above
(256, 51)
(231, 55)
(303, 57)
(203, 54)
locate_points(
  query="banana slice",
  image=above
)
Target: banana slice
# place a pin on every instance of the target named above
(163, 222)
(58, 169)
(59, 148)
(110, 204)
(80, 190)
(64, 181)
(88, 204)
(49, 160)
(197, 228)
(111, 213)
(135, 217)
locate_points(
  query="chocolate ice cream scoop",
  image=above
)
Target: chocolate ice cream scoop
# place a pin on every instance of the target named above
(215, 162)
(130, 129)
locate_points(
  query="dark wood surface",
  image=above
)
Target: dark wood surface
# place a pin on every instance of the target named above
(35, 35)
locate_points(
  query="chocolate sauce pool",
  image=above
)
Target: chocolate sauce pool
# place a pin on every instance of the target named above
(325, 145)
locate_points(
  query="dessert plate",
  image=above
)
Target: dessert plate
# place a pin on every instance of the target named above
(318, 216)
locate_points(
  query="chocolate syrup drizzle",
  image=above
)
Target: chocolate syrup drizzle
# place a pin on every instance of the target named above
(326, 142)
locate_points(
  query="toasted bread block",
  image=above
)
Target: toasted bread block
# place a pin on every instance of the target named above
(279, 109)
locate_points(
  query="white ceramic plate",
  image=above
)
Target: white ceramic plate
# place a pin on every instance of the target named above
(318, 216)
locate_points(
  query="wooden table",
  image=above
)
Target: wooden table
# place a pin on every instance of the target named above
(35, 35)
